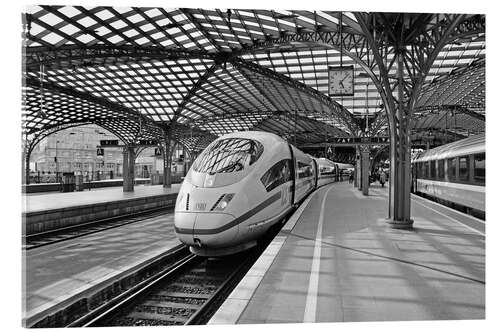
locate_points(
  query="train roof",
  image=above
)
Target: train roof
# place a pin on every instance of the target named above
(471, 145)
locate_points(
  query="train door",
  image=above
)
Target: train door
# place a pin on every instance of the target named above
(316, 173)
(294, 174)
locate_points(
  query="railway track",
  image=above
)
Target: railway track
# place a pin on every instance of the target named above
(186, 293)
(62, 234)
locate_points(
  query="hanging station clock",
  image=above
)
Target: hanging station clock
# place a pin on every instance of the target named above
(341, 81)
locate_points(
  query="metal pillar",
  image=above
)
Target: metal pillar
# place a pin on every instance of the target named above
(128, 168)
(26, 168)
(400, 180)
(167, 167)
(167, 155)
(357, 179)
(365, 169)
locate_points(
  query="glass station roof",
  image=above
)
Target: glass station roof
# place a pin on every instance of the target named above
(218, 70)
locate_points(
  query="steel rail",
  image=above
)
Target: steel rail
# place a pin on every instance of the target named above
(74, 228)
(124, 299)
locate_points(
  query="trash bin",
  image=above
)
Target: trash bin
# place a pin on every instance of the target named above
(79, 182)
(68, 182)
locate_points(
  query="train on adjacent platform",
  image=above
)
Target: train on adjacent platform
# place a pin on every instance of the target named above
(241, 185)
(454, 174)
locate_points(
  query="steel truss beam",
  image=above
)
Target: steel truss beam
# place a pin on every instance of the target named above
(425, 37)
(68, 56)
(145, 125)
(455, 108)
(344, 116)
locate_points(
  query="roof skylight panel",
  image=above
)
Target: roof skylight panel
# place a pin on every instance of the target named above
(115, 39)
(86, 39)
(53, 38)
(122, 10)
(142, 41)
(131, 33)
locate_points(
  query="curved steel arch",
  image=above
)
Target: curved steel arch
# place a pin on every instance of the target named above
(129, 115)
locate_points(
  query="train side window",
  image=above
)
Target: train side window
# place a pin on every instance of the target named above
(418, 167)
(452, 169)
(432, 174)
(425, 170)
(304, 170)
(463, 168)
(480, 167)
(440, 169)
(278, 174)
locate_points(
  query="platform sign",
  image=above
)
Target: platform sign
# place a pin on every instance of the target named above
(100, 152)
(148, 143)
(361, 140)
(108, 143)
(350, 141)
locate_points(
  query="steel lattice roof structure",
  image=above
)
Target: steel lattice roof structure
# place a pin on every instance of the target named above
(136, 71)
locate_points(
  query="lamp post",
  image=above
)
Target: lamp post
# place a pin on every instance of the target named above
(57, 163)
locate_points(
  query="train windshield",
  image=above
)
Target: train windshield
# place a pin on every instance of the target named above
(228, 155)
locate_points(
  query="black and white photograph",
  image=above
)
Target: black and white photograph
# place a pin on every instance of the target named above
(251, 163)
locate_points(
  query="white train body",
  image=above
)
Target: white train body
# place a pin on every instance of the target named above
(454, 172)
(327, 171)
(239, 186)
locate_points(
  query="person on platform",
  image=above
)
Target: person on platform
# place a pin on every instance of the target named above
(382, 178)
(351, 177)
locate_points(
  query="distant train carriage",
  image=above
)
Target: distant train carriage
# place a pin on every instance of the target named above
(454, 174)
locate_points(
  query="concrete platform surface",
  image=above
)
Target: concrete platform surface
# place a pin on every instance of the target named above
(58, 272)
(337, 260)
(48, 201)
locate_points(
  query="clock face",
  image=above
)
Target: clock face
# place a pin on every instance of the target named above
(341, 81)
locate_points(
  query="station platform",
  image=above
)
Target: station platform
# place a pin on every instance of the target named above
(336, 260)
(36, 202)
(58, 275)
(47, 212)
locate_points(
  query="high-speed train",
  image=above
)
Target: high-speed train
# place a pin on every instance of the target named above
(454, 174)
(241, 185)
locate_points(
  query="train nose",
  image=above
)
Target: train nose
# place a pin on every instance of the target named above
(206, 229)
(184, 225)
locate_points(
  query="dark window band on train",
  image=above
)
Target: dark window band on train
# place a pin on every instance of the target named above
(452, 169)
(480, 167)
(432, 174)
(440, 174)
(278, 174)
(304, 170)
(229, 155)
(463, 168)
(471, 169)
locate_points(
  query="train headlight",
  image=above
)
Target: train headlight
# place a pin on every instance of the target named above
(223, 201)
(183, 202)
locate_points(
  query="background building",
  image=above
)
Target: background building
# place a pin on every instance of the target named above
(75, 150)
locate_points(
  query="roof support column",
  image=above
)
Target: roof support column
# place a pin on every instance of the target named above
(406, 45)
(357, 169)
(26, 167)
(365, 168)
(128, 168)
(400, 200)
(167, 158)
